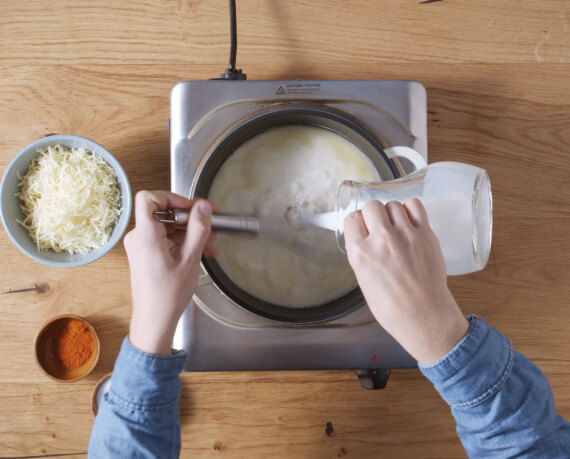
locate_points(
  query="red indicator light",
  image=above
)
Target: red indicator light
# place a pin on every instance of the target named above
(374, 358)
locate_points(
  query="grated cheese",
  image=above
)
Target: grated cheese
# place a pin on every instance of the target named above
(71, 200)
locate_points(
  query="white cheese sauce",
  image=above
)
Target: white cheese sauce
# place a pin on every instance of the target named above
(278, 170)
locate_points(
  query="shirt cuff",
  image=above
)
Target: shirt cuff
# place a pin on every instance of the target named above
(475, 369)
(144, 381)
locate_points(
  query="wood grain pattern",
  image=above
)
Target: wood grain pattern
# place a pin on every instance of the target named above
(107, 74)
(299, 31)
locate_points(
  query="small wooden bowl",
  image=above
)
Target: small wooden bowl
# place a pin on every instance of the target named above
(45, 355)
(103, 386)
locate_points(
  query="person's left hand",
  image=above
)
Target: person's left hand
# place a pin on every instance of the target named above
(164, 267)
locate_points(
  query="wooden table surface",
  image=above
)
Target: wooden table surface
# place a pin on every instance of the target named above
(497, 76)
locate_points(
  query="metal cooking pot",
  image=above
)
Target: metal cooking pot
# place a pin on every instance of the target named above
(283, 115)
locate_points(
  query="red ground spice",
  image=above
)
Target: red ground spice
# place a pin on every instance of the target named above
(73, 344)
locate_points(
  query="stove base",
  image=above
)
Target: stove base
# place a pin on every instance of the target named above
(219, 335)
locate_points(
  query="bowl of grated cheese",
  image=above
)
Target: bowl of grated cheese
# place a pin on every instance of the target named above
(65, 201)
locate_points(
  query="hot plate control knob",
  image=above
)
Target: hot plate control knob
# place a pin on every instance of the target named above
(373, 378)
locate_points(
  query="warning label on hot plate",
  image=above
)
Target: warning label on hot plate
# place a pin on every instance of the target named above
(297, 89)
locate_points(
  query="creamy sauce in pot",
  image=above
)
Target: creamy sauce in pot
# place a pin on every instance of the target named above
(290, 167)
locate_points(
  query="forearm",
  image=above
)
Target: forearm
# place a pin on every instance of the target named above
(139, 416)
(502, 403)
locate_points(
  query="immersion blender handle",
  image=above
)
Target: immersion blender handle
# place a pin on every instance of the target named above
(233, 223)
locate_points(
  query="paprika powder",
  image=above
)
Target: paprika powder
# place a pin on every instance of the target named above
(73, 344)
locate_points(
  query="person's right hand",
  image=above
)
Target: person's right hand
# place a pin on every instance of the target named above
(164, 267)
(400, 268)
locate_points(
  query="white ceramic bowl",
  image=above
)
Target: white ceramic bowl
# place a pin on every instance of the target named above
(10, 204)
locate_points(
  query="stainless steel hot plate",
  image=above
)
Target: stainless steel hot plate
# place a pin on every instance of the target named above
(218, 334)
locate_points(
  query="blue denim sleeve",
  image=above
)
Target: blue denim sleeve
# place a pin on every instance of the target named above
(139, 417)
(502, 402)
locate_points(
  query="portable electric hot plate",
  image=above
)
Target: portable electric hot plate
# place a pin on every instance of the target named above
(225, 329)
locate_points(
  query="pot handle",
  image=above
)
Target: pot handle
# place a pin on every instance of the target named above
(409, 153)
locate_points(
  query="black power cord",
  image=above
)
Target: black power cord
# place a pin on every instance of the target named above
(231, 72)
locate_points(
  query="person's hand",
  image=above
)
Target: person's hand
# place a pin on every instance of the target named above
(400, 268)
(164, 267)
